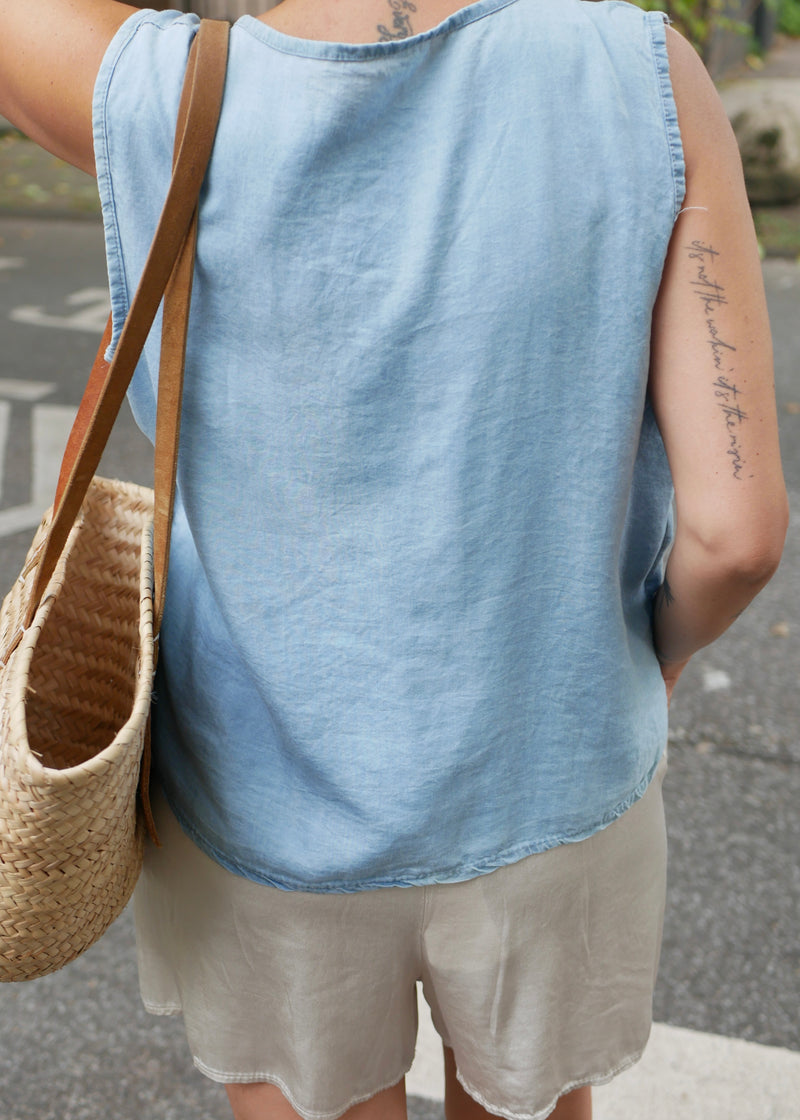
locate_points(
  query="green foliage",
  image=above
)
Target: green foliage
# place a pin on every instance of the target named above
(789, 17)
(699, 19)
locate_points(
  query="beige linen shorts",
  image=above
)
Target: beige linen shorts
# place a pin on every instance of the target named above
(539, 975)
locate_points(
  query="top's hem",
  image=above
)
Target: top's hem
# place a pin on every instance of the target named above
(366, 52)
(413, 877)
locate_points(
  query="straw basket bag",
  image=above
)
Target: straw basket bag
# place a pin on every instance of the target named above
(77, 650)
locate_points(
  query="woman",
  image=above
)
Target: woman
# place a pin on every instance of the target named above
(464, 276)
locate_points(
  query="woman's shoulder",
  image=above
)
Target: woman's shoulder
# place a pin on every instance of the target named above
(50, 56)
(705, 130)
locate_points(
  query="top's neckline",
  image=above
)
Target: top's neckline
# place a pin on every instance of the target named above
(355, 52)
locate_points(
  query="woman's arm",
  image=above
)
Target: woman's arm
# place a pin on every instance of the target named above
(50, 53)
(711, 384)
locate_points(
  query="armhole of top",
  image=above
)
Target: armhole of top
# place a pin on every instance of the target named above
(115, 264)
(657, 26)
(104, 156)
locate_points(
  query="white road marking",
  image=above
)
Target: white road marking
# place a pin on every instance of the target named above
(19, 518)
(15, 390)
(7, 263)
(50, 427)
(716, 680)
(94, 305)
(684, 1075)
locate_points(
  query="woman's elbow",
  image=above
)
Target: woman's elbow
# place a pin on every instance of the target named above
(768, 547)
(756, 567)
(754, 557)
(745, 551)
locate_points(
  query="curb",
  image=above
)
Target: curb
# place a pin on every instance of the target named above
(683, 1075)
(20, 214)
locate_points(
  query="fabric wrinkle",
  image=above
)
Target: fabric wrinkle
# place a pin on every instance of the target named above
(501, 986)
(390, 583)
(492, 954)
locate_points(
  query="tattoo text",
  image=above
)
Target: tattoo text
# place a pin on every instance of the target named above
(401, 21)
(712, 296)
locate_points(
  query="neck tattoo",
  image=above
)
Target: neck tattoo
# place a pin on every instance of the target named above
(401, 21)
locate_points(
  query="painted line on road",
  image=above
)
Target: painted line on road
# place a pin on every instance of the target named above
(94, 305)
(684, 1075)
(17, 390)
(50, 427)
(19, 518)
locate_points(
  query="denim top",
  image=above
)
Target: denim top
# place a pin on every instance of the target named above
(423, 502)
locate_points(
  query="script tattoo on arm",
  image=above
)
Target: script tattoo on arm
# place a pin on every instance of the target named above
(712, 296)
(401, 21)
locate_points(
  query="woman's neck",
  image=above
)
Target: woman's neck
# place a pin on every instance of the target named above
(358, 21)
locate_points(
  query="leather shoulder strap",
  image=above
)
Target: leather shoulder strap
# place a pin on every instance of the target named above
(199, 114)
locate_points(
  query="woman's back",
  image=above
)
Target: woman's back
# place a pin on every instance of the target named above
(420, 487)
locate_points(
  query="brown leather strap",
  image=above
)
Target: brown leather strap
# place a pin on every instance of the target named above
(200, 106)
(174, 330)
(168, 414)
(91, 395)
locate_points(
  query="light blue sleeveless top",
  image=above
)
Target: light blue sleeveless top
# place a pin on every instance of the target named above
(423, 501)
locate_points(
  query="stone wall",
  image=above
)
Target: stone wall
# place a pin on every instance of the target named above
(765, 114)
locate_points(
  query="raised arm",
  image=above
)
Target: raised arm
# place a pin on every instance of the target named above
(50, 53)
(712, 388)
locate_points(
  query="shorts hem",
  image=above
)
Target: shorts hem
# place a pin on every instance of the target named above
(542, 1113)
(224, 1078)
(162, 1008)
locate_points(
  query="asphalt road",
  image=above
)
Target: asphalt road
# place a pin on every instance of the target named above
(77, 1046)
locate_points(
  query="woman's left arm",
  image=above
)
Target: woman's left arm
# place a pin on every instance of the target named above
(50, 54)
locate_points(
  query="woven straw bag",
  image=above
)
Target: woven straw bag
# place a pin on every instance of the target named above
(77, 648)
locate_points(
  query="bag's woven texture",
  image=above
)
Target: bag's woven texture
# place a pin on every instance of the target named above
(74, 704)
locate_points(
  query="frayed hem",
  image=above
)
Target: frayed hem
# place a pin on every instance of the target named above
(223, 1078)
(542, 1113)
(162, 1008)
